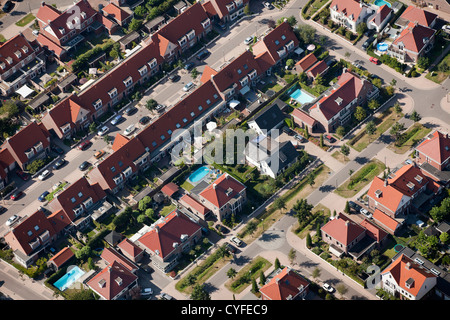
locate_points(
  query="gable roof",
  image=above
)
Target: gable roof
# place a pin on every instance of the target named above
(168, 233)
(350, 8)
(385, 220)
(373, 231)
(119, 141)
(169, 189)
(284, 155)
(126, 246)
(59, 220)
(381, 14)
(318, 68)
(284, 286)
(207, 74)
(389, 196)
(115, 12)
(112, 280)
(48, 44)
(414, 36)
(18, 49)
(307, 61)
(194, 204)
(110, 255)
(269, 118)
(62, 257)
(343, 229)
(436, 147)
(404, 269)
(304, 117)
(423, 17)
(222, 190)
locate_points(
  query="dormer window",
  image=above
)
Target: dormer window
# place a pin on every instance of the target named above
(97, 104)
(206, 23)
(38, 147)
(112, 93)
(127, 172)
(244, 81)
(410, 185)
(88, 203)
(182, 41)
(152, 63)
(9, 60)
(200, 108)
(118, 179)
(409, 283)
(128, 81)
(283, 37)
(252, 75)
(191, 34)
(18, 54)
(338, 101)
(29, 153)
(281, 52)
(3, 65)
(143, 70)
(230, 7)
(25, 49)
(62, 30)
(290, 45)
(418, 179)
(83, 15)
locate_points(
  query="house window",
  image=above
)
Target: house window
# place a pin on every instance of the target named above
(18, 54)
(163, 137)
(25, 49)
(191, 34)
(38, 147)
(244, 81)
(30, 233)
(169, 132)
(78, 210)
(215, 96)
(208, 102)
(128, 81)
(277, 42)
(200, 107)
(178, 125)
(239, 71)
(185, 120)
(29, 153)
(73, 200)
(112, 93)
(182, 41)
(113, 169)
(127, 172)
(192, 114)
(97, 104)
(88, 203)
(154, 143)
(230, 7)
(80, 194)
(120, 163)
(118, 179)
(143, 70)
(283, 37)
(290, 45)
(152, 63)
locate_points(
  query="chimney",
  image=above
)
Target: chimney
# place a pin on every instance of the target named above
(347, 223)
(214, 186)
(386, 182)
(408, 265)
(157, 229)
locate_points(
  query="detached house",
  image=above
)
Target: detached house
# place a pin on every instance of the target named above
(29, 237)
(20, 61)
(311, 66)
(287, 284)
(381, 18)
(168, 238)
(271, 118)
(415, 14)
(407, 279)
(349, 13)
(336, 106)
(30, 143)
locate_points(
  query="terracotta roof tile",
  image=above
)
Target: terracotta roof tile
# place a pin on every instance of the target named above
(437, 147)
(62, 256)
(284, 285)
(343, 229)
(414, 14)
(216, 192)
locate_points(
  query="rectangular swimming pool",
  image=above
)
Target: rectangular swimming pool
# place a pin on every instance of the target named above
(199, 174)
(72, 275)
(301, 96)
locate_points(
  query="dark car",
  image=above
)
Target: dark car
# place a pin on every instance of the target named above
(221, 229)
(8, 6)
(16, 195)
(22, 175)
(43, 195)
(57, 149)
(130, 111)
(84, 165)
(354, 206)
(174, 77)
(230, 248)
(2, 209)
(84, 145)
(329, 138)
(202, 55)
(189, 66)
(58, 164)
(144, 120)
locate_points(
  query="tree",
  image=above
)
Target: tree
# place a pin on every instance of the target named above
(255, 288)
(262, 278)
(371, 128)
(279, 204)
(199, 293)
(321, 141)
(373, 104)
(247, 11)
(423, 62)
(141, 218)
(345, 150)
(277, 264)
(306, 33)
(91, 264)
(140, 11)
(150, 213)
(292, 21)
(135, 24)
(361, 28)
(290, 63)
(310, 179)
(9, 108)
(302, 210)
(341, 288)
(393, 82)
(83, 253)
(444, 237)
(397, 129)
(397, 108)
(231, 273)
(302, 77)
(377, 82)
(347, 207)
(306, 132)
(151, 104)
(92, 127)
(194, 73)
(415, 116)
(360, 113)
(251, 227)
(340, 131)
(308, 241)
(390, 90)
(316, 273)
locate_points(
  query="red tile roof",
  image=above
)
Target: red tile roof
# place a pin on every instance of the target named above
(413, 37)
(343, 229)
(390, 197)
(307, 62)
(169, 189)
(116, 12)
(264, 61)
(216, 192)
(284, 286)
(112, 280)
(208, 72)
(6, 159)
(18, 44)
(318, 68)
(219, 7)
(423, 17)
(167, 234)
(209, 8)
(382, 14)
(385, 220)
(194, 204)
(50, 45)
(62, 257)
(126, 246)
(404, 269)
(59, 220)
(373, 231)
(119, 141)
(436, 147)
(110, 255)
(350, 8)
(303, 117)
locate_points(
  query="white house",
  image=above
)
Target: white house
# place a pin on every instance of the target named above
(349, 13)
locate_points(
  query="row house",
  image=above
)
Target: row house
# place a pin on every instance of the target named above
(225, 196)
(224, 10)
(20, 61)
(28, 237)
(168, 238)
(355, 239)
(63, 30)
(78, 201)
(337, 105)
(278, 43)
(349, 13)
(117, 14)
(7, 165)
(29, 144)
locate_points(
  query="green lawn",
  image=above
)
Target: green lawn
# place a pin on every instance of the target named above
(167, 209)
(187, 186)
(439, 76)
(25, 20)
(314, 7)
(360, 178)
(244, 276)
(340, 157)
(50, 196)
(2, 38)
(413, 135)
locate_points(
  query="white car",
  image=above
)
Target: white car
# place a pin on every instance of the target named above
(103, 130)
(446, 28)
(365, 212)
(129, 130)
(44, 175)
(12, 219)
(188, 86)
(267, 5)
(248, 40)
(146, 292)
(236, 241)
(327, 287)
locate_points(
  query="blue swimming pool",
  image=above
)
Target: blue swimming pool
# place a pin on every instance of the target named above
(72, 275)
(199, 174)
(380, 3)
(301, 96)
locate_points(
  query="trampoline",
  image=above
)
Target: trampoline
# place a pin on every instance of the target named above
(398, 248)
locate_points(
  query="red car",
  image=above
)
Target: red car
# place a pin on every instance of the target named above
(84, 145)
(24, 176)
(373, 60)
(16, 195)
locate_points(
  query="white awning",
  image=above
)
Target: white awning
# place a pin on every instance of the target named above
(245, 89)
(234, 103)
(25, 91)
(211, 126)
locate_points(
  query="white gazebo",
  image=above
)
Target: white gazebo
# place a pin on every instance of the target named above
(25, 91)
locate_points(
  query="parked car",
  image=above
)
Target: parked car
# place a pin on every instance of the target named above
(146, 292)
(189, 66)
(84, 165)
(57, 149)
(446, 28)
(99, 154)
(248, 40)
(236, 241)
(160, 107)
(144, 120)
(117, 119)
(43, 195)
(84, 144)
(129, 130)
(357, 65)
(22, 175)
(165, 296)
(12, 219)
(230, 248)
(202, 55)
(267, 5)
(354, 206)
(365, 44)
(16, 195)
(103, 130)
(130, 110)
(374, 60)
(188, 86)
(44, 175)
(299, 138)
(327, 287)
(329, 138)
(174, 77)
(58, 164)
(8, 6)
(2, 209)
(221, 229)
(365, 212)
